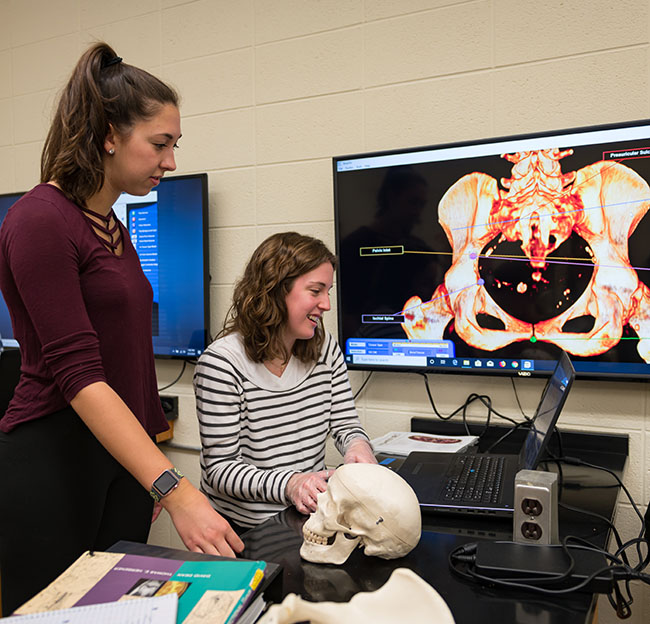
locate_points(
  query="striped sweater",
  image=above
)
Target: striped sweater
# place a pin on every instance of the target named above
(257, 429)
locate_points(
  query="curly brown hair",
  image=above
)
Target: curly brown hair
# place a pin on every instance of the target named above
(102, 92)
(259, 311)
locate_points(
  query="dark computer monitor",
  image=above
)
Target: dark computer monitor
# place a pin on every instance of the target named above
(6, 331)
(169, 230)
(492, 256)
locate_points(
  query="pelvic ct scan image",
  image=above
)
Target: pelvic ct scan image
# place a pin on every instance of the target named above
(502, 254)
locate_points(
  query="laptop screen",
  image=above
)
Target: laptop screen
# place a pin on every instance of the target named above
(548, 411)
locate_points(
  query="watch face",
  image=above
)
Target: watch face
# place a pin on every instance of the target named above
(165, 482)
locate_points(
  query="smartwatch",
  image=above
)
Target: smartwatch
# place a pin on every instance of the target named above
(165, 483)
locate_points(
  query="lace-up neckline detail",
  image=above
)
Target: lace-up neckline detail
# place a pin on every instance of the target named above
(107, 229)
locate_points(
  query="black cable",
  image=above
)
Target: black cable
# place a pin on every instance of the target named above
(646, 534)
(470, 574)
(363, 385)
(462, 560)
(432, 402)
(521, 409)
(621, 547)
(466, 553)
(435, 409)
(619, 604)
(560, 476)
(621, 565)
(579, 462)
(617, 536)
(488, 403)
(169, 385)
(486, 400)
(560, 445)
(636, 541)
(468, 558)
(505, 435)
(524, 423)
(584, 544)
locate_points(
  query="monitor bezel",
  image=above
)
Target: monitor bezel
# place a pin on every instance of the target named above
(206, 264)
(14, 343)
(547, 366)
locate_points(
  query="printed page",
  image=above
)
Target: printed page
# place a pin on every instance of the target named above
(158, 610)
(68, 588)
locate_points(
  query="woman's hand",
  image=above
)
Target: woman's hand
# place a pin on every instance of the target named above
(303, 489)
(359, 451)
(200, 527)
(157, 508)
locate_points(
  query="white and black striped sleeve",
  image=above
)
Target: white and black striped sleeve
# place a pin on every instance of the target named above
(344, 421)
(220, 405)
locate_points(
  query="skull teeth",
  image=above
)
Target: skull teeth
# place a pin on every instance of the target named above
(315, 538)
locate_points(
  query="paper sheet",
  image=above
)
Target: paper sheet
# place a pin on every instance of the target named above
(76, 581)
(156, 610)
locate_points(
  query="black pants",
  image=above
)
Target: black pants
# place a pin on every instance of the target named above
(61, 493)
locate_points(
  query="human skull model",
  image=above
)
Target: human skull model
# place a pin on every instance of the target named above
(365, 505)
(405, 597)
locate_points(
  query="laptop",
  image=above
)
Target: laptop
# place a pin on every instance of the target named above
(485, 482)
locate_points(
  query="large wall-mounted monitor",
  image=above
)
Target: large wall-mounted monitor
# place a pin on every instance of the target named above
(490, 256)
(169, 230)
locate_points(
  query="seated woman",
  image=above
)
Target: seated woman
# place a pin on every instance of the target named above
(273, 387)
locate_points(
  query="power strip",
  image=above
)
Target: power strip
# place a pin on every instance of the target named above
(519, 562)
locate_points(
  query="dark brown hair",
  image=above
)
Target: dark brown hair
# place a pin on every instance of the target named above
(101, 92)
(259, 311)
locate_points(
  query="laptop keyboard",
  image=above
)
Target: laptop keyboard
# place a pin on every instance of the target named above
(475, 478)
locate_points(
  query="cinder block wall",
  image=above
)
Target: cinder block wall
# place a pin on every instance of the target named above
(272, 90)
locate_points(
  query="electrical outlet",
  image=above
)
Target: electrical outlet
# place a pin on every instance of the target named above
(169, 406)
(535, 518)
(531, 531)
(531, 507)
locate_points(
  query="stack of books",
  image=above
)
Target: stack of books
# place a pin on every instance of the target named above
(205, 591)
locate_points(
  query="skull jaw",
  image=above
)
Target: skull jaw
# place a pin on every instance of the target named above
(389, 549)
(336, 553)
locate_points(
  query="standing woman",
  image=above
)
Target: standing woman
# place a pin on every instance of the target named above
(274, 387)
(77, 452)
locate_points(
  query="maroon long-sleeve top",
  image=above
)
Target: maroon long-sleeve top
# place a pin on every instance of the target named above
(80, 313)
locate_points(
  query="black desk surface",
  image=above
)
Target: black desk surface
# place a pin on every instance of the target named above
(279, 540)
